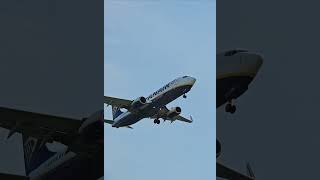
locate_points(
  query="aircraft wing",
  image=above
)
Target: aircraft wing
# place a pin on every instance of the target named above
(40, 126)
(181, 118)
(122, 103)
(227, 173)
(164, 111)
(13, 177)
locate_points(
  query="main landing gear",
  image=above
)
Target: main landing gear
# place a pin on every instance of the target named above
(231, 107)
(156, 121)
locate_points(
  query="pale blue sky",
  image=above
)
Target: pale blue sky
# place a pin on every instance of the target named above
(147, 44)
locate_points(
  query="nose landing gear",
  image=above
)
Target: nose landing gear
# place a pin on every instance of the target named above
(231, 107)
(184, 96)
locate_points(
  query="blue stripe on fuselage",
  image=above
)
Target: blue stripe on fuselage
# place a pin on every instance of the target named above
(126, 119)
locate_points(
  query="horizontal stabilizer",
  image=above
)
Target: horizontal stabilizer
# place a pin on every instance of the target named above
(108, 121)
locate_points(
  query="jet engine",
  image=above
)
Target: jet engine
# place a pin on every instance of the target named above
(140, 101)
(174, 112)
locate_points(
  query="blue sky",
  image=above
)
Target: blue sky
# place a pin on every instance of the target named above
(147, 44)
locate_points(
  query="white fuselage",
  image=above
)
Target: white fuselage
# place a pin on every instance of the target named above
(156, 100)
(235, 71)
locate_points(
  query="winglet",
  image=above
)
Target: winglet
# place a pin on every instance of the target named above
(191, 118)
(11, 132)
(250, 172)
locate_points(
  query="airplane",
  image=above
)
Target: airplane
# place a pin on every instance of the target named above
(81, 149)
(235, 71)
(154, 106)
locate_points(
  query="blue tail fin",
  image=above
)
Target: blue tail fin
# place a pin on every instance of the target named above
(35, 153)
(116, 112)
(250, 172)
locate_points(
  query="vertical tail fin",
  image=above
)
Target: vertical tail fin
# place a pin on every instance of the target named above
(35, 153)
(250, 171)
(116, 112)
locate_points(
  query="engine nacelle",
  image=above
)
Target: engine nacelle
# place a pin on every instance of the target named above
(174, 112)
(140, 101)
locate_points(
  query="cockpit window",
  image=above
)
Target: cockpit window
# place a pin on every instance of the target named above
(184, 76)
(233, 52)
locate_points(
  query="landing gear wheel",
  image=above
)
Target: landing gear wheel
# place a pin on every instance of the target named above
(184, 96)
(156, 121)
(233, 109)
(230, 108)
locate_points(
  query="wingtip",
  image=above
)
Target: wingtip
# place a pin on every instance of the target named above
(10, 134)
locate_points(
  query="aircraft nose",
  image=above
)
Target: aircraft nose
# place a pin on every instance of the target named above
(192, 80)
(253, 62)
(259, 60)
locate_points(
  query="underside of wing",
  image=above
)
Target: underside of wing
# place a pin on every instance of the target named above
(227, 173)
(181, 118)
(12, 177)
(37, 125)
(164, 114)
(121, 103)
